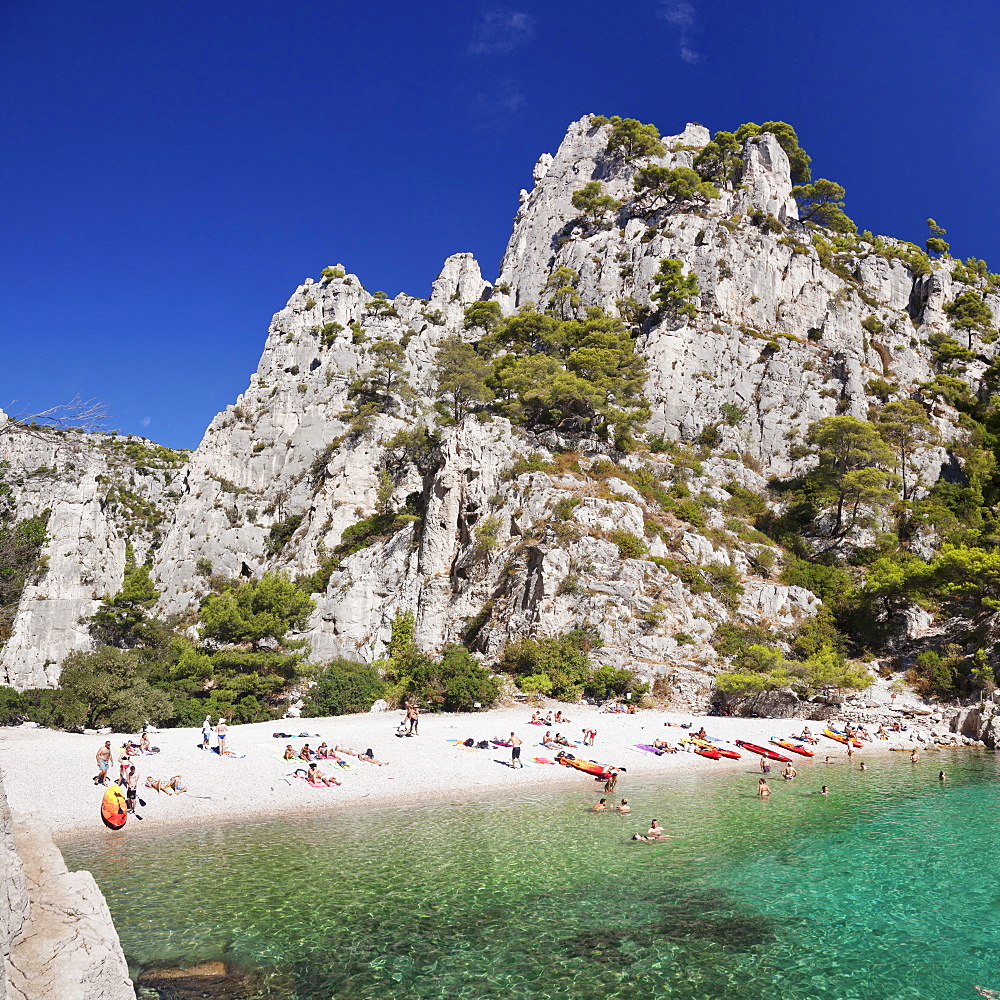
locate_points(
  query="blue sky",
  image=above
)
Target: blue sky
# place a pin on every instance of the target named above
(172, 171)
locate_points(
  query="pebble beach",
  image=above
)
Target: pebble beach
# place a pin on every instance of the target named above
(48, 774)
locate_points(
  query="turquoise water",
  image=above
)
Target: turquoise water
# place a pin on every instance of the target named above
(887, 888)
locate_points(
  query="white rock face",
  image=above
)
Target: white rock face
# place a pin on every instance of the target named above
(492, 555)
(57, 938)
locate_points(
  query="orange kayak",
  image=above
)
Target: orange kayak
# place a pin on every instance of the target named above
(839, 737)
(588, 766)
(114, 810)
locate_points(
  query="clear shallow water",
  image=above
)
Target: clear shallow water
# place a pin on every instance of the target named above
(886, 889)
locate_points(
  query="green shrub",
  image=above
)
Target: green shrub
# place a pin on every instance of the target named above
(535, 684)
(281, 533)
(13, 707)
(613, 681)
(343, 687)
(563, 659)
(629, 545)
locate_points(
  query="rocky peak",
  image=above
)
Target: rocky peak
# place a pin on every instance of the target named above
(782, 337)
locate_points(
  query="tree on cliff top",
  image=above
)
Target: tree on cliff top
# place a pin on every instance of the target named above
(822, 202)
(630, 139)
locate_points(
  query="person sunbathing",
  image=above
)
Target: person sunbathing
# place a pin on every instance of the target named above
(305, 753)
(536, 718)
(144, 742)
(664, 746)
(701, 734)
(881, 733)
(160, 785)
(863, 733)
(323, 751)
(368, 757)
(177, 785)
(317, 777)
(290, 752)
(546, 740)
(807, 736)
(561, 740)
(547, 720)
(562, 718)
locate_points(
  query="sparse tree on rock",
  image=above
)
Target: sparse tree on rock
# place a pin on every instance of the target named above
(658, 186)
(675, 290)
(847, 446)
(822, 202)
(905, 427)
(592, 203)
(460, 374)
(632, 140)
(969, 312)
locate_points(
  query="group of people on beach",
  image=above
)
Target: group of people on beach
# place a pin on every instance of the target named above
(221, 731)
(128, 776)
(549, 720)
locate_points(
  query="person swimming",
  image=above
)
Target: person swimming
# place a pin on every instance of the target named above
(626, 808)
(655, 832)
(763, 790)
(601, 806)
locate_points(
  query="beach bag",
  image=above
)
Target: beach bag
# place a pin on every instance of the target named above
(470, 742)
(483, 745)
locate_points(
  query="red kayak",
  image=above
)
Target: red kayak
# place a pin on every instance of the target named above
(709, 752)
(794, 747)
(763, 751)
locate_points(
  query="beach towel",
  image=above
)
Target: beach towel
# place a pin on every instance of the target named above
(650, 749)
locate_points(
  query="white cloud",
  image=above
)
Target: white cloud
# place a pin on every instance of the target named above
(501, 30)
(683, 15)
(145, 422)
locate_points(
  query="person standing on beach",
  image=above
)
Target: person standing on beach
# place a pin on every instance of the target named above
(206, 732)
(220, 731)
(131, 783)
(765, 765)
(515, 750)
(103, 763)
(413, 718)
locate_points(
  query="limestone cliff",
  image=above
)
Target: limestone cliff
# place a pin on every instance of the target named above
(778, 334)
